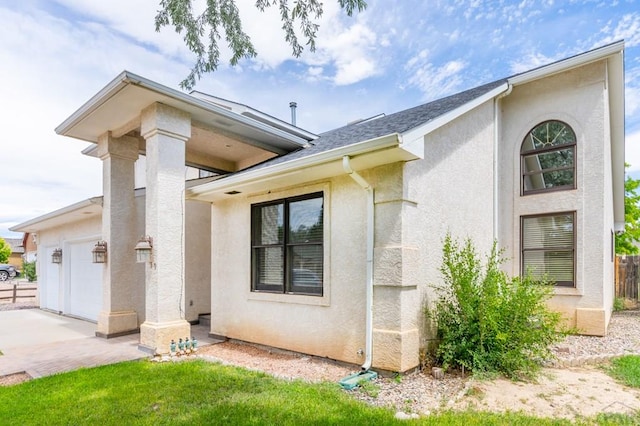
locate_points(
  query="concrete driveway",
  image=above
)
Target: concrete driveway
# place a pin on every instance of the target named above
(42, 343)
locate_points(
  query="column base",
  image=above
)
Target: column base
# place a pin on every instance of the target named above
(155, 338)
(114, 324)
(395, 350)
(591, 322)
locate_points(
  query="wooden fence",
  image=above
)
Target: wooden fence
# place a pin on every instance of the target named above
(627, 276)
(18, 292)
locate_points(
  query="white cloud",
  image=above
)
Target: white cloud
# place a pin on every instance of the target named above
(632, 93)
(627, 28)
(351, 49)
(632, 151)
(434, 81)
(529, 62)
(56, 66)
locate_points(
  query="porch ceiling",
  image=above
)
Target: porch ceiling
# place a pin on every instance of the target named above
(221, 139)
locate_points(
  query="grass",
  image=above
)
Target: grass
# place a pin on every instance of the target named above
(197, 392)
(626, 369)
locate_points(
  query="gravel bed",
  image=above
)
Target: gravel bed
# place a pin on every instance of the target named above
(623, 337)
(419, 392)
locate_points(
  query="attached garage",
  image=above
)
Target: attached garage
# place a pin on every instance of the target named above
(73, 286)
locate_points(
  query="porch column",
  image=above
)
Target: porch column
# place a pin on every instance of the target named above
(118, 316)
(166, 131)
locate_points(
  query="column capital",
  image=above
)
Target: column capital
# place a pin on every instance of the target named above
(159, 118)
(124, 147)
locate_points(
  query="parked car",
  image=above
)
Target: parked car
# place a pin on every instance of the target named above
(8, 271)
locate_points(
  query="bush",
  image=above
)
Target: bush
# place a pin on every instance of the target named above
(30, 271)
(488, 322)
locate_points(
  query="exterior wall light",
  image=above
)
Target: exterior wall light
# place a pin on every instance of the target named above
(99, 252)
(144, 249)
(56, 256)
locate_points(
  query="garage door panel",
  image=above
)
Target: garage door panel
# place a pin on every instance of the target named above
(84, 281)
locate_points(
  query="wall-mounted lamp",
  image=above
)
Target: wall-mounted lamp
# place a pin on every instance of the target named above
(56, 256)
(99, 252)
(144, 249)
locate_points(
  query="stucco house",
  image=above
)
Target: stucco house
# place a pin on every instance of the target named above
(328, 244)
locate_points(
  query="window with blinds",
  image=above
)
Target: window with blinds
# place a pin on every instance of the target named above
(548, 247)
(287, 245)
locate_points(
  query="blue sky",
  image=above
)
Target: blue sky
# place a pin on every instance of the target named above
(55, 55)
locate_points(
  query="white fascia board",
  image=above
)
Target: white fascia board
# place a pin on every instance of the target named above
(32, 223)
(567, 64)
(412, 140)
(231, 182)
(107, 92)
(615, 79)
(125, 78)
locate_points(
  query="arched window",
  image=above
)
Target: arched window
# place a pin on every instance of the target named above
(548, 158)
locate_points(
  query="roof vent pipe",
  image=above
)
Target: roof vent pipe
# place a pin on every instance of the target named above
(293, 107)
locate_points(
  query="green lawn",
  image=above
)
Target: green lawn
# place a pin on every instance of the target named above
(199, 392)
(626, 369)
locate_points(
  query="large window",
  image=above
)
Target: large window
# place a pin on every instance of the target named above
(548, 247)
(287, 245)
(548, 158)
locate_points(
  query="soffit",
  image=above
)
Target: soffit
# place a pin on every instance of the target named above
(117, 108)
(74, 213)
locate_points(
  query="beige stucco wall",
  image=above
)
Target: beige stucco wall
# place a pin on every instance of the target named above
(417, 203)
(330, 326)
(579, 98)
(451, 191)
(414, 208)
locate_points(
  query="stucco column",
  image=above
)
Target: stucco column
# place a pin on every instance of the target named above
(166, 131)
(118, 156)
(396, 299)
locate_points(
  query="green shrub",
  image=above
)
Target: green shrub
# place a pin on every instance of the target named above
(30, 271)
(488, 322)
(618, 304)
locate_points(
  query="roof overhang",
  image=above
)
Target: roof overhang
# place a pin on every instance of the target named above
(413, 140)
(323, 165)
(71, 214)
(117, 106)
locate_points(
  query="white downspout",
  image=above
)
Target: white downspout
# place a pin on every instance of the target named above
(346, 165)
(496, 143)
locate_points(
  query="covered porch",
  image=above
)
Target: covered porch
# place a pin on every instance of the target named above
(133, 117)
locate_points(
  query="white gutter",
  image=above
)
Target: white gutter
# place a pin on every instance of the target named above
(249, 177)
(57, 213)
(496, 142)
(369, 284)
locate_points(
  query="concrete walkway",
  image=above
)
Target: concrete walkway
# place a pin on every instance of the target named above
(42, 343)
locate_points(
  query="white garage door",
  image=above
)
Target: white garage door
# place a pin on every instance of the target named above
(84, 283)
(50, 291)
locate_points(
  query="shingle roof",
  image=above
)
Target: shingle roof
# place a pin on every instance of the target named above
(398, 122)
(15, 244)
